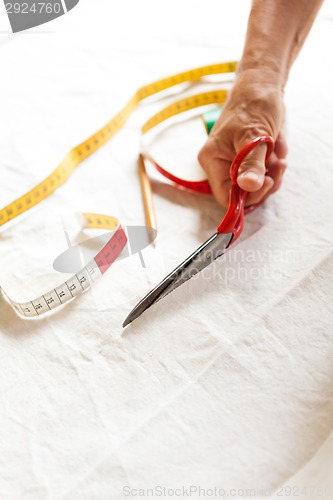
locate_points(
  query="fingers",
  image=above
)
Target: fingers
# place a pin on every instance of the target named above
(254, 108)
(257, 196)
(217, 168)
(281, 148)
(276, 168)
(251, 173)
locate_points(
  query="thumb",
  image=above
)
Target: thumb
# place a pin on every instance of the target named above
(251, 173)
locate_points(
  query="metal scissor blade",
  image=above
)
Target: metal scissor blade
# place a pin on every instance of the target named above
(213, 248)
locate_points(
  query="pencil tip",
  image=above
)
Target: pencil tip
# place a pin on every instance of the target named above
(152, 235)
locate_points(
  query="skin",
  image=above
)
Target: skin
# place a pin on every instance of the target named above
(276, 32)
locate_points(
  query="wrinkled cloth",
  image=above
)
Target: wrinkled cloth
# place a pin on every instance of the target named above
(227, 383)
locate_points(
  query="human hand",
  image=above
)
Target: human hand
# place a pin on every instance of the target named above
(254, 108)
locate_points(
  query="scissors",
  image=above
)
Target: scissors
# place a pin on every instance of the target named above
(227, 233)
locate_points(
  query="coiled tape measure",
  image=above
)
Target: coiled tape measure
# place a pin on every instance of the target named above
(82, 280)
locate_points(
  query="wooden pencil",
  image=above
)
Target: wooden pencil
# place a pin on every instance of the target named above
(147, 195)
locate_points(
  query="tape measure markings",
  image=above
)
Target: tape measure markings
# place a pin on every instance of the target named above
(81, 152)
(82, 280)
(205, 98)
(191, 102)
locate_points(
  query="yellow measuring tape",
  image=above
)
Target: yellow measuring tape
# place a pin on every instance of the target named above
(79, 153)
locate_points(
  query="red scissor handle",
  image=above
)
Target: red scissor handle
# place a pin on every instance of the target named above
(233, 221)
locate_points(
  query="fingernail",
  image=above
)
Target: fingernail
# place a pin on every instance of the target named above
(250, 175)
(270, 183)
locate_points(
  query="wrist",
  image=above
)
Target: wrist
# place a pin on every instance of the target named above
(255, 105)
(259, 73)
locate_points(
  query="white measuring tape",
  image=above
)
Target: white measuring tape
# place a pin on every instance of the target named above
(83, 279)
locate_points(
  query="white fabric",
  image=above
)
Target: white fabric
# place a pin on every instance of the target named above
(228, 381)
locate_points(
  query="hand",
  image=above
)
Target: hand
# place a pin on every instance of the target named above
(254, 107)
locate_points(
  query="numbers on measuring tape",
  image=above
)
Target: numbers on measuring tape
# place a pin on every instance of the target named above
(82, 280)
(92, 144)
(108, 254)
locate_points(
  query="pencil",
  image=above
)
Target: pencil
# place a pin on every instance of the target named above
(147, 196)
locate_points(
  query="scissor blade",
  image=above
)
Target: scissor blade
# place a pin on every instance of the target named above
(213, 248)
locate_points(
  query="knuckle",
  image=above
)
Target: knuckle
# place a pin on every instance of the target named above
(202, 156)
(250, 132)
(207, 153)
